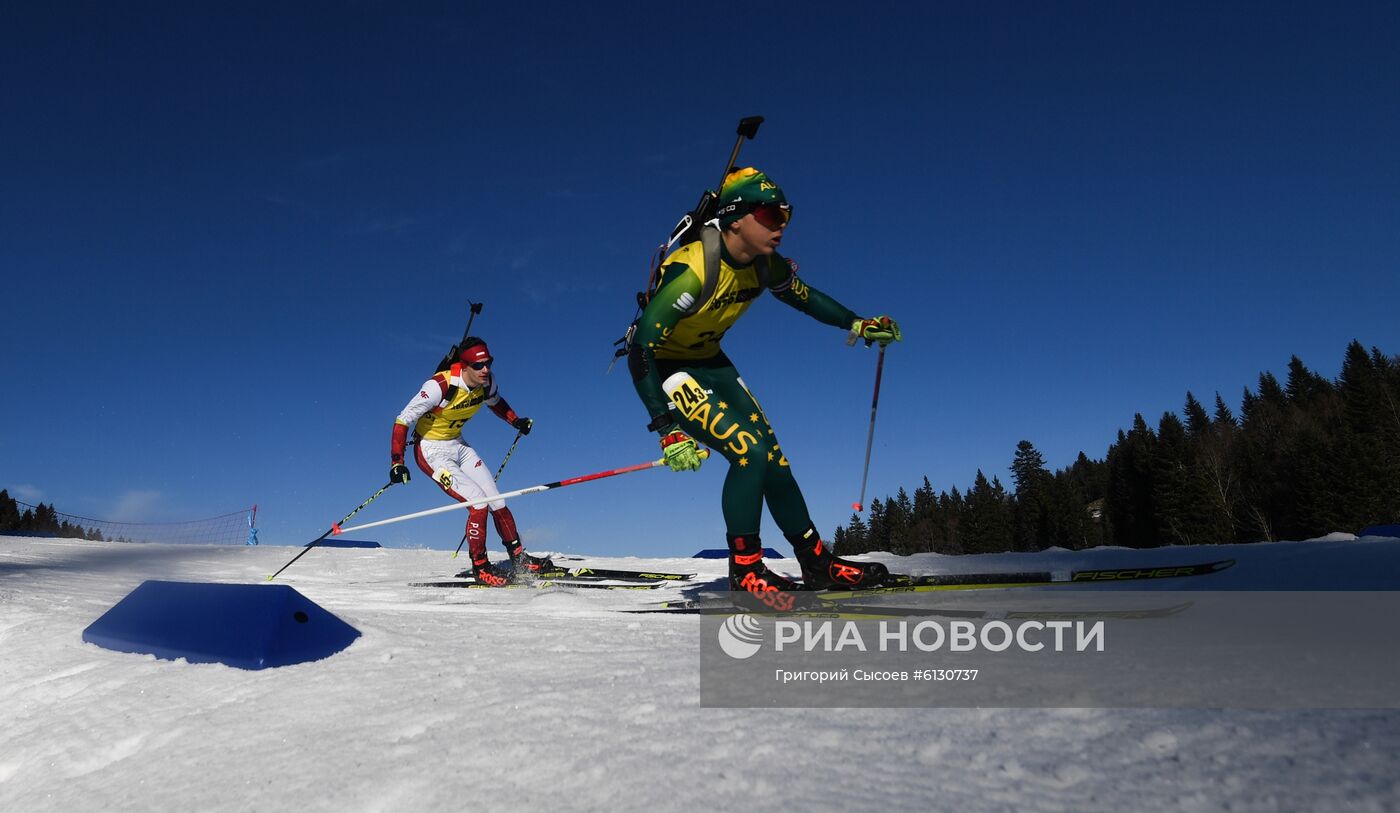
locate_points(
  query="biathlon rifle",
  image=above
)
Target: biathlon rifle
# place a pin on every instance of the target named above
(687, 230)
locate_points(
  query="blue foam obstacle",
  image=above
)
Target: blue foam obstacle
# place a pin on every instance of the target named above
(243, 625)
(348, 543)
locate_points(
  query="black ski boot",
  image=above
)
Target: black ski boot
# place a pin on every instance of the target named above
(758, 588)
(824, 570)
(526, 564)
(489, 574)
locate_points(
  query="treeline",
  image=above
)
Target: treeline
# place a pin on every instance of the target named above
(1303, 458)
(41, 520)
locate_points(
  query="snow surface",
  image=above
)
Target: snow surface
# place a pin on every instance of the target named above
(550, 699)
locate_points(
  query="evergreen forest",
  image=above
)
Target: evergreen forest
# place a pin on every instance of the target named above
(1304, 457)
(40, 520)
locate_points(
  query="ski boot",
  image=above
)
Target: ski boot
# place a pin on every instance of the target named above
(756, 587)
(824, 570)
(526, 564)
(491, 575)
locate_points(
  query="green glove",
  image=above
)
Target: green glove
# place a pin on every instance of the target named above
(881, 329)
(681, 451)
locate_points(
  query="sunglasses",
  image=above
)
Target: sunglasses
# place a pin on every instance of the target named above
(480, 365)
(772, 216)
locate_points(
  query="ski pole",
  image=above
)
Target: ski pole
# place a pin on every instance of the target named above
(870, 436)
(510, 452)
(335, 529)
(509, 494)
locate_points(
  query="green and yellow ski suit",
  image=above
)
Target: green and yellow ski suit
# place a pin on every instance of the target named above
(685, 379)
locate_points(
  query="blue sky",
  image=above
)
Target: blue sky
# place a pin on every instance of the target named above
(235, 241)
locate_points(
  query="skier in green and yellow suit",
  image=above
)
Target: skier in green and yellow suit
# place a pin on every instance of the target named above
(693, 392)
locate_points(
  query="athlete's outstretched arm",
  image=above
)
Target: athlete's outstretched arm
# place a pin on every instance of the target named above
(793, 291)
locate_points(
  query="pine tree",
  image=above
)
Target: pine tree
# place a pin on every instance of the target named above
(953, 508)
(1223, 414)
(1304, 386)
(1197, 421)
(1067, 521)
(899, 516)
(9, 512)
(986, 526)
(925, 531)
(856, 536)
(1215, 453)
(1369, 430)
(1187, 513)
(1265, 498)
(878, 535)
(1029, 516)
(1130, 504)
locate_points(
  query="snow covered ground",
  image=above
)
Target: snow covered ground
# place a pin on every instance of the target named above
(550, 699)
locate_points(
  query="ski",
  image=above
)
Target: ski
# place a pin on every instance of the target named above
(987, 581)
(997, 581)
(879, 611)
(597, 573)
(540, 584)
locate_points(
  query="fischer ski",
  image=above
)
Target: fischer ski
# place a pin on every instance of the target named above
(599, 573)
(540, 584)
(991, 581)
(980, 581)
(878, 611)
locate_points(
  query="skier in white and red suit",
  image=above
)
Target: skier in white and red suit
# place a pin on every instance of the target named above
(437, 413)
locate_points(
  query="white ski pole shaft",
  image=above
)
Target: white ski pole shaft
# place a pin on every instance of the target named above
(505, 496)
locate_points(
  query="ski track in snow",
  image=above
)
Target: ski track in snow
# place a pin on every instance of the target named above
(552, 700)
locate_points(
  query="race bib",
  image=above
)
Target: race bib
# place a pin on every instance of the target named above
(686, 393)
